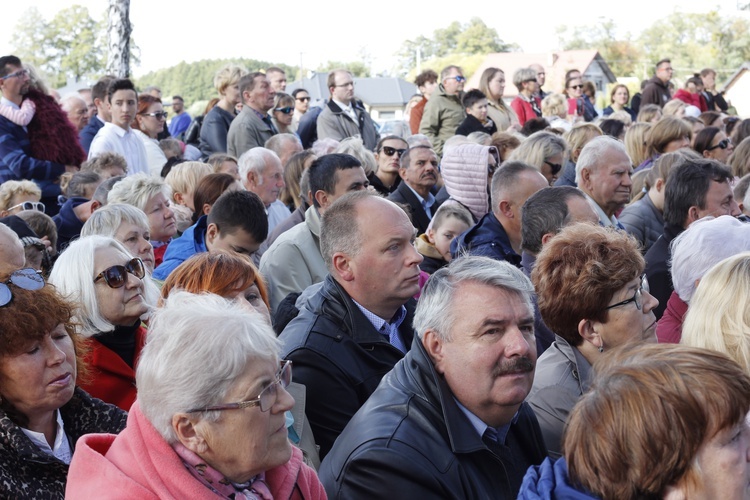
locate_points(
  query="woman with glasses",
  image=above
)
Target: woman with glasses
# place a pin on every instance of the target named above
(544, 151)
(526, 104)
(577, 110)
(210, 417)
(712, 143)
(148, 124)
(106, 283)
(593, 294)
(17, 196)
(282, 113)
(42, 412)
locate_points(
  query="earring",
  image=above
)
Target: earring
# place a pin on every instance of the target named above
(601, 348)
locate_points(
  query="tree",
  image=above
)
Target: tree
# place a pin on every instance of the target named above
(119, 31)
(357, 68)
(622, 55)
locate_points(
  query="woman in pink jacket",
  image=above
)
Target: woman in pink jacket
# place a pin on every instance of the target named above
(209, 419)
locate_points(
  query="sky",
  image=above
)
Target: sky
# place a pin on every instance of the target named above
(293, 31)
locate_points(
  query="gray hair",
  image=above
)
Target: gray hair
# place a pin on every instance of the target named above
(523, 75)
(66, 103)
(107, 220)
(73, 276)
(137, 189)
(705, 243)
(434, 309)
(81, 182)
(537, 148)
(278, 142)
(184, 367)
(339, 227)
(592, 155)
(102, 191)
(355, 147)
(255, 160)
(481, 138)
(418, 140)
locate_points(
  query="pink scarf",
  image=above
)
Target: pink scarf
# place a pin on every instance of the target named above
(255, 489)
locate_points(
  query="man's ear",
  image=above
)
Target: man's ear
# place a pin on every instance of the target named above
(693, 215)
(342, 264)
(586, 178)
(322, 198)
(251, 178)
(402, 173)
(546, 237)
(95, 205)
(188, 433)
(506, 208)
(212, 233)
(659, 184)
(434, 345)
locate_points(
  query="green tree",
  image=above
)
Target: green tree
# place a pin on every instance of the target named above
(357, 68)
(73, 48)
(622, 55)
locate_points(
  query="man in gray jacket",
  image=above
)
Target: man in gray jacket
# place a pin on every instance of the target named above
(344, 116)
(253, 126)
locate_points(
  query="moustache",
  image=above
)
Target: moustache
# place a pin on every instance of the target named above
(516, 365)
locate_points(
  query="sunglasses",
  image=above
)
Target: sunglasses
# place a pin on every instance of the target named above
(266, 399)
(117, 276)
(458, 78)
(286, 110)
(17, 74)
(389, 151)
(576, 87)
(157, 114)
(303, 99)
(27, 278)
(29, 205)
(555, 167)
(723, 144)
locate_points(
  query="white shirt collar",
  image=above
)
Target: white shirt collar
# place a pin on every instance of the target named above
(61, 450)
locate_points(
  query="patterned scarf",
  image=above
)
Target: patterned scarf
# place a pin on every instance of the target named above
(255, 489)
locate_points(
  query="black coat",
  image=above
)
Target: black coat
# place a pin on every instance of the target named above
(28, 472)
(657, 268)
(419, 217)
(412, 441)
(339, 356)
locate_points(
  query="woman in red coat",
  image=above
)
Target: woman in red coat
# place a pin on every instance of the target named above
(692, 94)
(526, 104)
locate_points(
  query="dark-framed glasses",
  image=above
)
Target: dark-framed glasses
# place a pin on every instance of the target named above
(117, 276)
(159, 115)
(723, 144)
(26, 278)
(29, 205)
(555, 167)
(285, 110)
(577, 87)
(16, 74)
(303, 99)
(637, 296)
(389, 151)
(267, 397)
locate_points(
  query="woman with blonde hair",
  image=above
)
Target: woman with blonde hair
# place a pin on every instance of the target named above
(492, 85)
(666, 136)
(555, 109)
(719, 314)
(675, 107)
(183, 179)
(16, 196)
(635, 142)
(283, 113)
(740, 160)
(576, 138)
(216, 123)
(544, 151)
(650, 113)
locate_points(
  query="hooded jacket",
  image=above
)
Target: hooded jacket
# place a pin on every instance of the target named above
(139, 463)
(464, 171)
(442, 115)
(550, 481)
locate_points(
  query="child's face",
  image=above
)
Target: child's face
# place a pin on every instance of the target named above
(442, 236)
(479, 110)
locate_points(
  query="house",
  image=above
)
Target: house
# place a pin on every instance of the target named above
(737, 89)
(384, 98)
(556, 64)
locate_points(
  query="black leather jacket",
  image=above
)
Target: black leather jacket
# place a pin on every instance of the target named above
(339, 356)
(412, 441)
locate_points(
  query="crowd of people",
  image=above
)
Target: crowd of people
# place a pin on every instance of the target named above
(516, 299)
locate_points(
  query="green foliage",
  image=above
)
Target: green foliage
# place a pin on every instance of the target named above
(195, 81)
(455, 42)
(691, 41)
(357, 68)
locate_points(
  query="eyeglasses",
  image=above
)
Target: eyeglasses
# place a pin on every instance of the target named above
(29, 205)
(17, 74)
(576, 87)
(723, 144)
(303, 99)
(117, 276)
(159, 115)
(266, 399)
(458, 78)
(389, 151)
(286, 110)
(555, 167)
(27, 278)
(530, 80)
(347, 84)
(637, 297)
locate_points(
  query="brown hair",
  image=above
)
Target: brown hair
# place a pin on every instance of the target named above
(666, 130)
(208, 191)
(290, 193)
(660, 170)
(650, 409)
(27, 318)
(578, 272)
(614, 89)
(221, 273)
(504, 141)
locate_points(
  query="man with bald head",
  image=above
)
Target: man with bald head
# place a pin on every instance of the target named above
(12, 257)
(498, 234)
(541, 77)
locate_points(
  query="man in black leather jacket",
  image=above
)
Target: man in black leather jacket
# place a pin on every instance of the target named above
(449, 421)
(357, 325)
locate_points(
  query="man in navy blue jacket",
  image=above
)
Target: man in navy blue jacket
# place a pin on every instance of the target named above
(99, 95)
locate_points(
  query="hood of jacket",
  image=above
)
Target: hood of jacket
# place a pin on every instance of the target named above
(464, 171)
(550, 480)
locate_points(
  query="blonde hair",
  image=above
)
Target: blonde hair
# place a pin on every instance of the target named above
(578, 136)
(554, 105)
(635, 142)
(228, 75)
(648, 113)
(740, 161)
(10, 189)
(622, 116)
(184, 177)
(719, 315)
(673, 108)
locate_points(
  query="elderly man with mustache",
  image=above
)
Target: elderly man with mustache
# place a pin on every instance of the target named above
(450, 421)
(418, 171)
